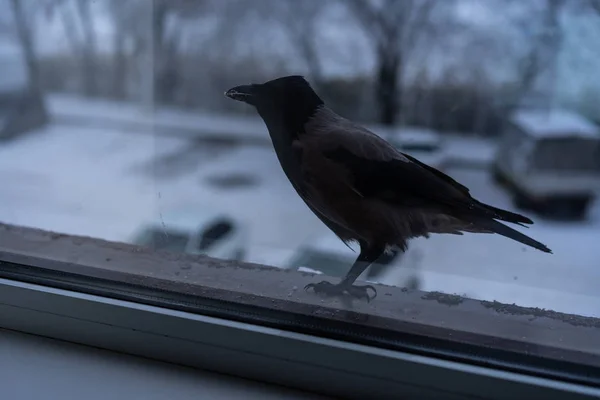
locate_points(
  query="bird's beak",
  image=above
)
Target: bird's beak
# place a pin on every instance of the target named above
(243, 93)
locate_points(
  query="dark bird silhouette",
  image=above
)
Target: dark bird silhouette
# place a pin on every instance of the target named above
(359, 185)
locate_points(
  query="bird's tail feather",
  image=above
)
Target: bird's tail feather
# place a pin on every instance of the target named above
(507, 216)
(510, 233)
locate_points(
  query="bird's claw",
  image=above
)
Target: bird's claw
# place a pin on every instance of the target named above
(329, 289)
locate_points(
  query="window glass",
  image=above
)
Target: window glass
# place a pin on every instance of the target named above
(114, 124)
(164, 239)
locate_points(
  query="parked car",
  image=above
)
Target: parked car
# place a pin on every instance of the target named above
(199, 231)
(550, 162)
(329, 255)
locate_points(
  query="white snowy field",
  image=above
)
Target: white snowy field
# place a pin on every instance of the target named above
(103, 182)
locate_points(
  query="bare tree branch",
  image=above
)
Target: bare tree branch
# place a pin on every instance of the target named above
(298, 21)
(541, 56)
(395, 29)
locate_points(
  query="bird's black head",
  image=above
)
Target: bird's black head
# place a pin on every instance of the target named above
(283, 103)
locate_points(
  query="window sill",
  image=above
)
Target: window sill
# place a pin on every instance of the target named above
(157, 325)
(69, 371)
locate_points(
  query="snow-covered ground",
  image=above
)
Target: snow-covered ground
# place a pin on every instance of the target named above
(82, 181)
(247, 128)
(75, 110)
(103, 182)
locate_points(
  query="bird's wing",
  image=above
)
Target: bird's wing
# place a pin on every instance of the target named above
(375, 169)
(399, 181)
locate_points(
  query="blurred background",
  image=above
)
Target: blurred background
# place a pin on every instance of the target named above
(113, 124)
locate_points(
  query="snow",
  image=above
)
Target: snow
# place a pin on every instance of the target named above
(276, 216)
(80, 181)
(196, 124)
(309, 270)
(468, 151)
(101, 183)
(555, 123)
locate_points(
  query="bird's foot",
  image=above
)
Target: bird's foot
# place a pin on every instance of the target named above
(329, 289)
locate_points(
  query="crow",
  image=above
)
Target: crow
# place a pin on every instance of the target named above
(360, 186)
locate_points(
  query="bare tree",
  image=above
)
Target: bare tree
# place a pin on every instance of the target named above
(119, 72)
(166, 42)
(68, 21)
(6, 27)
(502, 63)
(31, 111)
(88, 48)
(23, 25)
(83, 42)
(128, 29)
(395, 28)
(538, 31)
(543, 51)
(298, 20)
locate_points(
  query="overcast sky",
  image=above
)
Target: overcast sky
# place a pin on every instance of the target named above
(345, 51)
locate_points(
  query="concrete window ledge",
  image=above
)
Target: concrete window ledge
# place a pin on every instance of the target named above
(257, 322)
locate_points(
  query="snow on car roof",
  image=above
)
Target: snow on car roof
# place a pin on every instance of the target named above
(555, 123)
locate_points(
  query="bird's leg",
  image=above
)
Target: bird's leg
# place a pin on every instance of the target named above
(366, 257)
